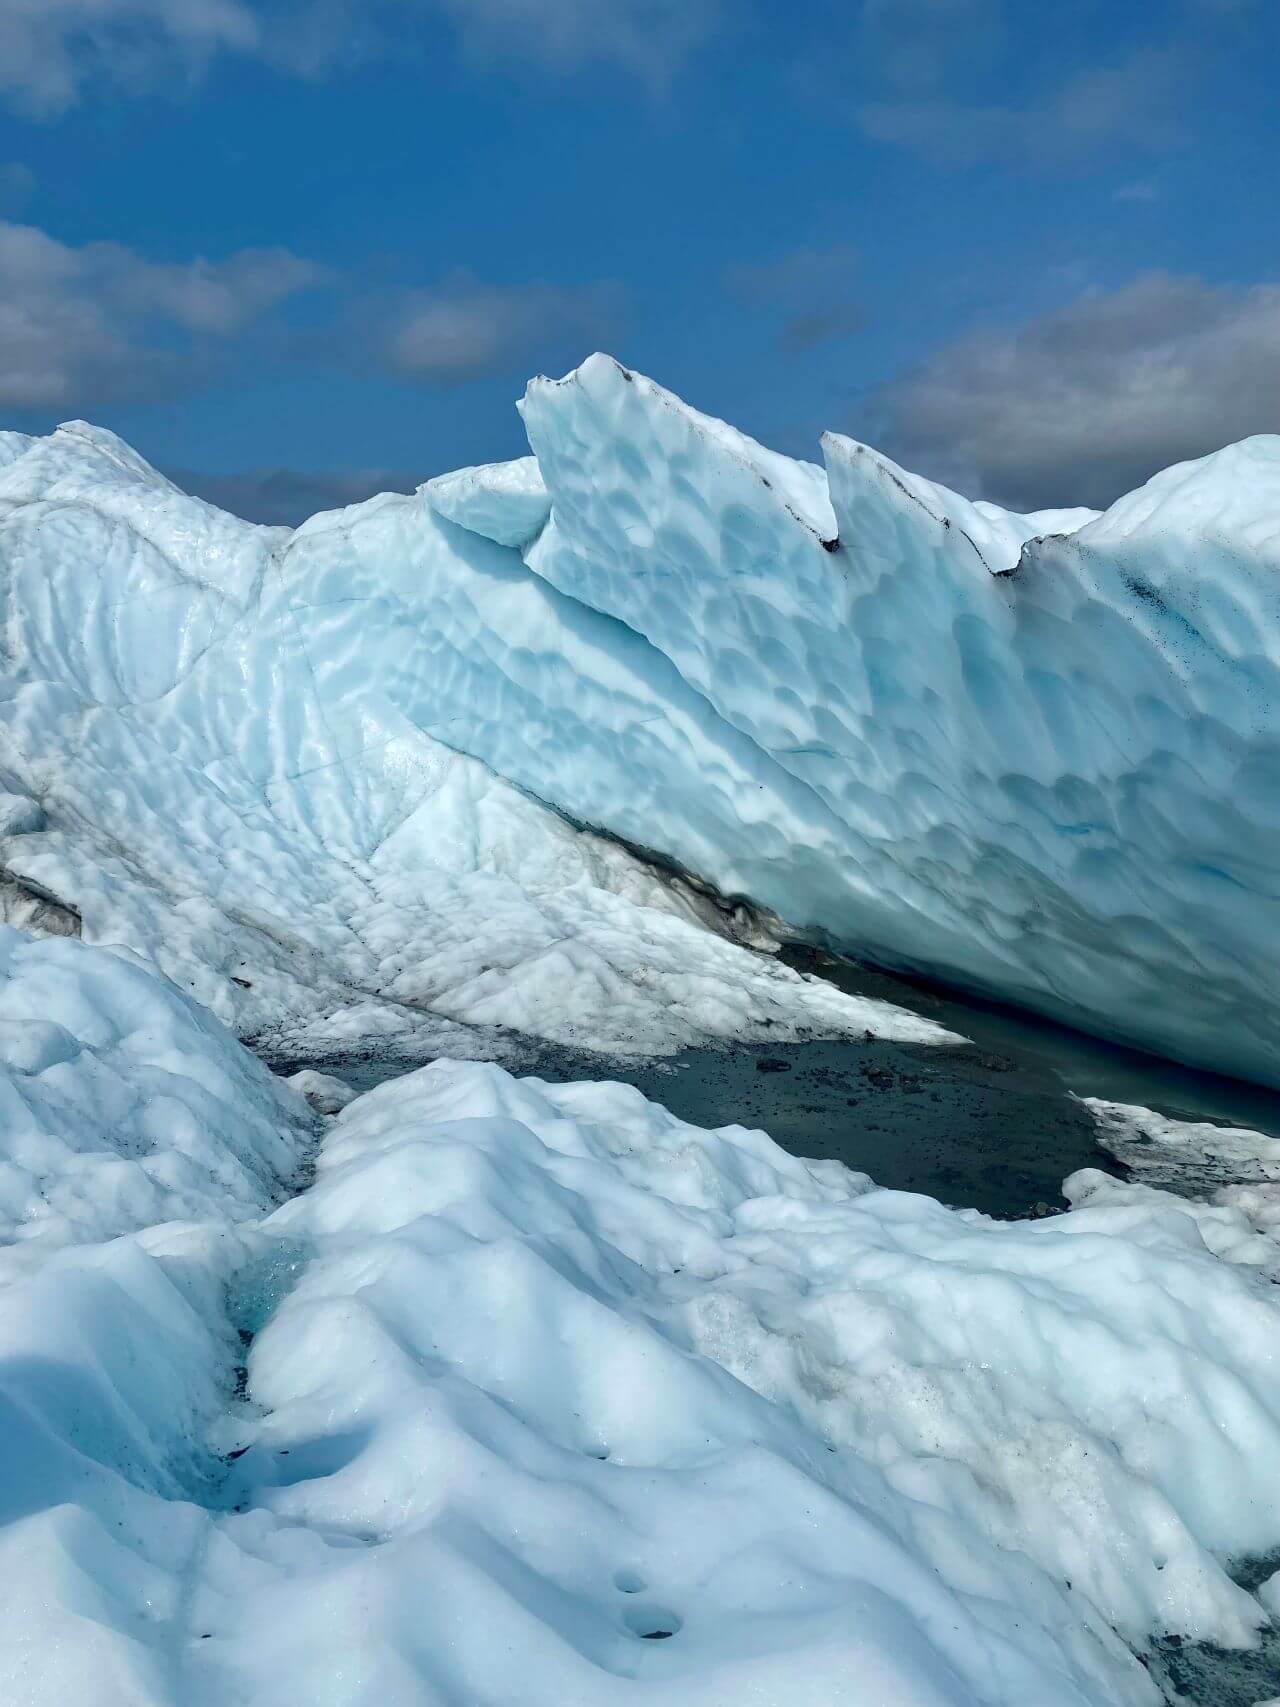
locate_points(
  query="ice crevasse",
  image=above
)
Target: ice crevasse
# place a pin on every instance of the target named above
(357, 767)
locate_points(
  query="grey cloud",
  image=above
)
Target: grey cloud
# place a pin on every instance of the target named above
(212, 297)
(1081, 405)
(815, 326)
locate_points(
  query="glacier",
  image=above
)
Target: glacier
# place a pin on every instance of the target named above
(488, 1390)
(475, 1388)
(405, 771)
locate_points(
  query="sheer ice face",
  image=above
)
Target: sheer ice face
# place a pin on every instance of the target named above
(1037, 755)
(1045, 766)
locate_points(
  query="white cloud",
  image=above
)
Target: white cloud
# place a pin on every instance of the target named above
(1080, 405)
(81, 326)
(50, 49)
(648, 37)
(53, 51)
(1133, 102)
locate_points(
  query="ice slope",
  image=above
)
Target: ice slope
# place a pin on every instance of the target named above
(1045, 765)
(223, 747)
(551, 1397)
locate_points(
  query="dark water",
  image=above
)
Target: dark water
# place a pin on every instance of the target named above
(1201, 1674)
(992, 1126)
(966, 1126)
(1086, 1065)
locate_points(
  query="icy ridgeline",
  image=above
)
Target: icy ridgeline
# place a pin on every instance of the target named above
(539, 1395)
(213, 738)
(1045, 766)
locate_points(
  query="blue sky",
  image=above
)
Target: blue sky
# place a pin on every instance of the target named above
(293, 250)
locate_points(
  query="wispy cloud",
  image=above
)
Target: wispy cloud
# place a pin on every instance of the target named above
(52, 52)
(651, 38)
(1141, 190)
(1133, 102)
(50, 49)
(917, 46)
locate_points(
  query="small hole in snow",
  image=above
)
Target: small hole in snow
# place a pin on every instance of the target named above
(653, 1623)
(628, 1582)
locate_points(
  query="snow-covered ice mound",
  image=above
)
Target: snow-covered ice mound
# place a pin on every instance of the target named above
(1037, 754)
(215, 743)
(123, 1104)
(551, 1397)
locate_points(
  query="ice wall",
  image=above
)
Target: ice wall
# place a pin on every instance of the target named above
(1045, 766)
(1035, 755)
(245, 755)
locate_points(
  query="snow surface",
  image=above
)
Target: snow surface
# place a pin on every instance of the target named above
(1225, 1178)
(123, 1104)
(551, 1397)
(225, 748)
